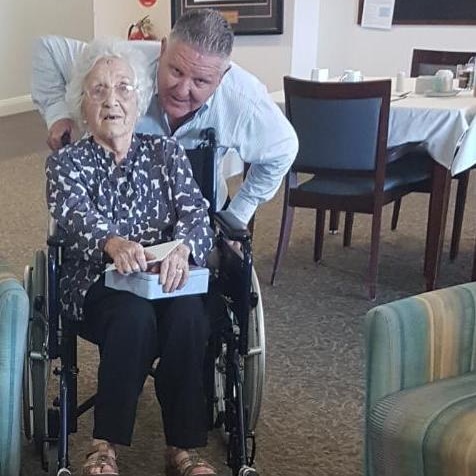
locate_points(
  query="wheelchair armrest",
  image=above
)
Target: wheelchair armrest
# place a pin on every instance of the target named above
(231, 227)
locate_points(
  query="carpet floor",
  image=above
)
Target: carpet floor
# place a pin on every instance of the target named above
(311, 420)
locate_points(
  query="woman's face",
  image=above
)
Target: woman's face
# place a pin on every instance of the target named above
(110, 100)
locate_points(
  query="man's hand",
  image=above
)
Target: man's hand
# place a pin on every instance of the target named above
(128, 256)
(56, 132)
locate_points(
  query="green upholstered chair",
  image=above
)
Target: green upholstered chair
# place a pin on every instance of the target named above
(421, 385)
(14, 310)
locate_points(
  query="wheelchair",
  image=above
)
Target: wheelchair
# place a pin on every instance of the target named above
(235, 361)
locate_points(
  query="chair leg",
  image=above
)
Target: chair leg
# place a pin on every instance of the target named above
(319, 234)
(440, 190)
(473, 273)
(284, 235)
(463, 181)
(334, 222)
(374, 250)
(396, 213)
(349, 223)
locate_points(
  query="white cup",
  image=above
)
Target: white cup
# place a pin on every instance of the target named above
(443, 81)
(320, 74)
(351, 76)
(424, 83)
(400, 82)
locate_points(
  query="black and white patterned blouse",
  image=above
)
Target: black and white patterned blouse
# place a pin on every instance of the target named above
(150, 197)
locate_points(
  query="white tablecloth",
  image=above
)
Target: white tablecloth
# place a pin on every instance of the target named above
(443, 123)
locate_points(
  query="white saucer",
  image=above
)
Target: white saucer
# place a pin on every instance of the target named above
(442, 94)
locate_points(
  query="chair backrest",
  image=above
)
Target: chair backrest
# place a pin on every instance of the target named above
(425, 62)
(419, 340)
(340, 126)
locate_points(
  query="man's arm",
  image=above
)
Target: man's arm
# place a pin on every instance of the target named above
(270, 144)
(52, 62)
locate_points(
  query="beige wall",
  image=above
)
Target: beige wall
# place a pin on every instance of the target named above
(341, 43)
(23, 20)
(109, 20)
(269, 57)
(344, 44)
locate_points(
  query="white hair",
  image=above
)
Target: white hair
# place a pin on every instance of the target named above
(104, 48)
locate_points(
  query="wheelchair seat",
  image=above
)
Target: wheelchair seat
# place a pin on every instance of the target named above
(235, 362)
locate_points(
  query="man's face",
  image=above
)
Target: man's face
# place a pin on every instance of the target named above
(186, 79)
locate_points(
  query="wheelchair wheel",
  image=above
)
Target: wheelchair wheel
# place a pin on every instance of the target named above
(36, 364)
(51, 446)
(26, 383)
(52, 452)
(253, 365)
(247, 471)
(254, 362)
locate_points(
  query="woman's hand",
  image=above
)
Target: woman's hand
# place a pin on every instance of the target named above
(128, 256)
(174, 270)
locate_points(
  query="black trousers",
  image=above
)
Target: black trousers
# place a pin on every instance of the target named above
(131, 332)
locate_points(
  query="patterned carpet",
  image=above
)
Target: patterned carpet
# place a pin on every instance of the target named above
(311, 421)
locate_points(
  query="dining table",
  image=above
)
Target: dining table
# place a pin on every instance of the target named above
(445, 124)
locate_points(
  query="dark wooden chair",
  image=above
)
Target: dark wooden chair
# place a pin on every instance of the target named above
(342, 130)
(429, 62)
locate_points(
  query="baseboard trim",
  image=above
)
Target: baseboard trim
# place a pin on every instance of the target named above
(16, 105)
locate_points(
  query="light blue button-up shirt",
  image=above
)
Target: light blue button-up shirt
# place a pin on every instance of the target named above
(243, 115)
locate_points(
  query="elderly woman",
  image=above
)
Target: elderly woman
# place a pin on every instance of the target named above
(113, 193)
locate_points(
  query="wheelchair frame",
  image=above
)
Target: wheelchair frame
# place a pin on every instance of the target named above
(236, 354)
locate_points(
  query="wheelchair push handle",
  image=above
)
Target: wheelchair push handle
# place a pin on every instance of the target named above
(208, 136)
(65, 138)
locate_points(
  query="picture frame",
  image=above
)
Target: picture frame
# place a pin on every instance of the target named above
(430, 12)
(248, 17)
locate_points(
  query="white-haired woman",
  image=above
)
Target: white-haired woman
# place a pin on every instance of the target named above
(113, 193)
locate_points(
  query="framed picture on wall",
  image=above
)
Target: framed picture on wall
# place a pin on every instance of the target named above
(431, 12)
(248, 17)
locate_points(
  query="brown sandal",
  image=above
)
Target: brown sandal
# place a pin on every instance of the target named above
(190, 464)
(99, 457)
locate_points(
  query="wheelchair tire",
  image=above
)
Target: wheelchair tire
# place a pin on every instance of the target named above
(36, 366)
(51, 446)
(26, 384)
(247, 471)
(52, 452)
(253, 366)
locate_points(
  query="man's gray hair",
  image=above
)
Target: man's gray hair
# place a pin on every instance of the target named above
(206, 30)
(105, 48)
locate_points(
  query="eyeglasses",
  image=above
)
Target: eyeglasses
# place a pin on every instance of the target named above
(100, 92)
